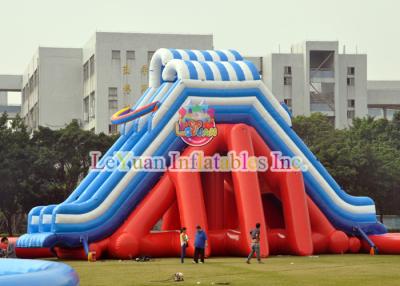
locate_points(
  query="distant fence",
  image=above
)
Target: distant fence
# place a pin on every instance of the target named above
(392, 222)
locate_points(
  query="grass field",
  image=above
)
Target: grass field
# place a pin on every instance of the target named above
(282, 270)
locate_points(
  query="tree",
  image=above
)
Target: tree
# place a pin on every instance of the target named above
(43, 168)
(72, 148)
(364, 159)
(14, 155)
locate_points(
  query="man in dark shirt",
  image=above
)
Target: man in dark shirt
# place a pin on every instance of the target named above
(200, 243)
(255, 244)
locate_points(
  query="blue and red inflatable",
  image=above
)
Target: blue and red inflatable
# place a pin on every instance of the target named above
(112, 213)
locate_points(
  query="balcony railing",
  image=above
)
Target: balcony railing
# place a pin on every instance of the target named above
(322, 73)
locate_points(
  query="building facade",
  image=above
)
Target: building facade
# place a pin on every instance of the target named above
(383, 98)
(52, 87)
(91, 83)
(315, 77)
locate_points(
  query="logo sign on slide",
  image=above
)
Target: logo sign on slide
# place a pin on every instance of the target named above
(196, 124)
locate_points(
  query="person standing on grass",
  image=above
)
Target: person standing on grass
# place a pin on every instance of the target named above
(184, 238)
(200, 243)
(255, 244)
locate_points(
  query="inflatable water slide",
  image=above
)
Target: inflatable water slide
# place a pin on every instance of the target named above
(205, 108)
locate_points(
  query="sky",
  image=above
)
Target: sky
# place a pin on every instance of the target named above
(254, 27)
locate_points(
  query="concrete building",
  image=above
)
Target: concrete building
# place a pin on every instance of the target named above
(9, 83)
(91, 83)
(52, 88)
(315, 77)
(383, 98)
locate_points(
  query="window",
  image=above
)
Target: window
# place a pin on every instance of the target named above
(130, 55)
(23, 96)
(288, 70)
(287, 80)
(149, 56)
(86, 71)
(350, 114)
(350, 81)
(31, 83)
(288, 102)
(350, 70)
(92, 65)
(112, 129)
(113, 104)
(36, 79)
(86, 109)
(287, 75)
(28, 91)
(351, 103)
(112, 92)
(116, 55)
(112, 99)
(375, 112)
(389, 113)
(92, 108)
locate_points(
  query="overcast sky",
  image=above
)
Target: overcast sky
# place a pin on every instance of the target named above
(254, 27)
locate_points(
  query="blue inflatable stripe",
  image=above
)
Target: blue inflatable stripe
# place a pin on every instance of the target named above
(92, 175)
(222, 55)
(222, 71)
(239, 72)
(207, 71)
(104, 175)
(207, 55)
(159, 89)
(192, 56)
(284, 105)
(192, 70)
(48, 210)
(176, 54)
(34, 228)
(253, 69)
(237, 55)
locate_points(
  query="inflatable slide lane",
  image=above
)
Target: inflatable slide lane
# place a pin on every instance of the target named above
(205, 108)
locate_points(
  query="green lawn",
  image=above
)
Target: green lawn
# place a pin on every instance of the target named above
(282, 270)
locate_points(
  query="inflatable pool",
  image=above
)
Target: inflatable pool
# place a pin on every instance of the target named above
(36, 273)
